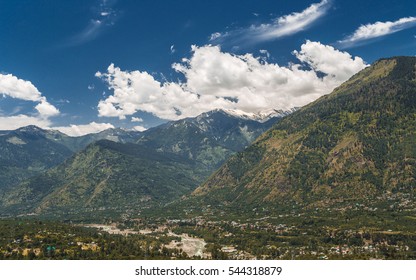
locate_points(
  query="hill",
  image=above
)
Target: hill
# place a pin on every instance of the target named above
(105, 175)
(166, 162)
(356, 144)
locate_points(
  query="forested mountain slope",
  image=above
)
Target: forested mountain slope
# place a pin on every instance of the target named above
(357, 143)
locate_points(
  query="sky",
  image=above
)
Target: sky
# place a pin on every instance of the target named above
(82, 66)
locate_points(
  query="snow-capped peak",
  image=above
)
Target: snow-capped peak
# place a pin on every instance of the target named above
(262, 116)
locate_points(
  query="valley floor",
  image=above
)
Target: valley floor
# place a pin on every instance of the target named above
(346, 233)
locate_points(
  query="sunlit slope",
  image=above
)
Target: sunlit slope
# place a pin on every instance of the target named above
(358, 142)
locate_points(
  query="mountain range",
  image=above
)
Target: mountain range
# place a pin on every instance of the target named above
(117, 168)
(30, 150)
(356, 144)
(209, 138)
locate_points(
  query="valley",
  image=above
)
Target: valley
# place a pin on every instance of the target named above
(334, 179)
(356, 233)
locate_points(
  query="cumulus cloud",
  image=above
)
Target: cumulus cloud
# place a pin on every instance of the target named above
(45, 109)
(14, 122)
(377, 29)
(280, 27)
(84, 129)
(24, 90)
(215, 79)
(18, 88)
(326, 59)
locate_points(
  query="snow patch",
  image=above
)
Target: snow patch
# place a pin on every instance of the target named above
(16, 141)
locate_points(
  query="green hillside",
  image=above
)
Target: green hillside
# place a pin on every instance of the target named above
(26, 152)
(106, 175)
(30, 151)
(357, 143)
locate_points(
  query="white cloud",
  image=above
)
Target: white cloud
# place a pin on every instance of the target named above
(134, 119)
(45, 109)
(91, 31)
(215, 36)
(84, 129)
(139, 128)
(327, 59)
(103, 17)
(216, 79)
(265, 54)
(14, 122)
(20, 89)
(377, 29)
(280, 27)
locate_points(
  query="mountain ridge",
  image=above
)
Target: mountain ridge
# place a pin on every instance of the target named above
(92, 179)
(351, 143)
(21, 158)
(161, 165)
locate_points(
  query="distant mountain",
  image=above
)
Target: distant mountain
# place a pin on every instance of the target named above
(28, 151)
(209, 138)
(113, 134)
(165, 163)
(262, 116)
(357, 143)
(105, 175)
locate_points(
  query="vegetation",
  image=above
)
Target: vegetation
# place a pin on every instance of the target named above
(358, 232)
(114, 178)
(357, 143)
(35, 239)
(106, 176)
(26, 153)
(30, 151)
(334, 180)
(210, 138)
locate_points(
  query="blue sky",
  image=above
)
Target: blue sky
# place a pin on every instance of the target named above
(82, 66)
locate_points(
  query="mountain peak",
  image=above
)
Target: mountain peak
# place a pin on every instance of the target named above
(30, 128)
(261, 116)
